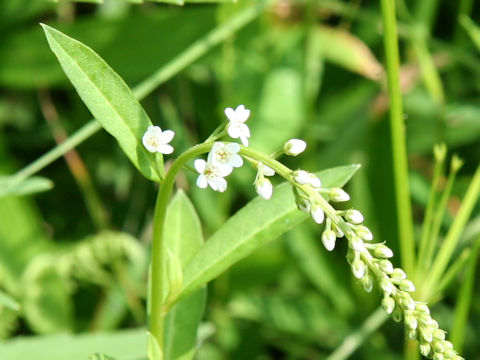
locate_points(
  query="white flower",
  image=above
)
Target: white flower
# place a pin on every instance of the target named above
(317, 213)
(237, 128)
(156, 140)
(225, 156)
(264, 188)
(210, 174)
(294, 147)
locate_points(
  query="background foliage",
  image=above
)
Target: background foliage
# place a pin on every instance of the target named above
(73, 259)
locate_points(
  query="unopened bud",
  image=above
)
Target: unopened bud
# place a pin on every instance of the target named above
(264, 188)
(294, 147)
(338, 195)
(354, 216)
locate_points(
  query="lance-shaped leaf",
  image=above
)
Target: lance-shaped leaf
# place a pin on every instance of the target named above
(254, 225)
(29, 186)
(107, 96)
(183, 238)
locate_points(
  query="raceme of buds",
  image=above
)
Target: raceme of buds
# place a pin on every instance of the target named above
(294, 147)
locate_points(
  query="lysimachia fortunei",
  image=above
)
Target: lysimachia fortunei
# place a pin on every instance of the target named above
(369, 261)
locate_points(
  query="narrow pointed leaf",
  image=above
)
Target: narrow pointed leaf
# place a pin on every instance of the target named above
(254, 225)
(107, 96)
(29, 186)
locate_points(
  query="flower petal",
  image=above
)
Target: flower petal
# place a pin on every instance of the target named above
(230, 113)
(233, 130)
(200, 165)
(221, 184)
(202, 181)
(165, 149)
(236, 160)
(167, 136)
(232, 148)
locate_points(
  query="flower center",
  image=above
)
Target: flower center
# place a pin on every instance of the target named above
(222, 156)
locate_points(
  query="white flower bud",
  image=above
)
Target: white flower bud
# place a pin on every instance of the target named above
(315, 181)
(358, 268)
(356, 244)
(387, 286)
(397, 314)
(411, 320)
(364, 233)
(383, 252)
(412, 334)
(367, 283)
(426, 334)
(338, 232)
(268, 171)
(450, 354)
(407, 285)
(406, 301)
(388, 304)
(398, 274)
(354, 216)
(328, 239)
(438, 346)
(422, 307)
(317, 213)
(293, 147)
(264, 188)
(386, 266)
(448, 345)
(439, 334)
(303, 205)
(438, 356)
(301, 177)
(425, 349)
(338, 195)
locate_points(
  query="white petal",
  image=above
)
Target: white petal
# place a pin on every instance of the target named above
(264, 188)
(147, 143)
(213, 183)
(221, 184)
(200, 165)
(230, 113)
(234, 131)
(165, 149)
(244, 140)
(167, 136)
(224, 169)
(241, 113)
(217, 146)
(202, 181)
(232, 148)
(245, 130)
(317, 214)
(236, 160)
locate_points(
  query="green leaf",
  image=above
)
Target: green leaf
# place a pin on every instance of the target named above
(107, 96)
(29, 186)
(122, 345)
(7, 301)
(183, 238)
(254, 225)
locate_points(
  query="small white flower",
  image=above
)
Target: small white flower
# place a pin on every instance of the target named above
(294, 147)
(354, 216)
(225, 156)
(264, 188)
(317, 213)
(237, 128)
(156, 140)
(338, 195)
(303, 177)
(328, 239)
(211, 175)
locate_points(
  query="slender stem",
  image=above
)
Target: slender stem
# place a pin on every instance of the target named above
(402, 191)
(157, 311)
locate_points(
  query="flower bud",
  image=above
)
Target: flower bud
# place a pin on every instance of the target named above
(354, 216)
(386, 266)
(357, 244)
(303, 204)
(426, 334)
(425, 349)
(397, 314)
(398, 274)
(406, 301)
(301, 177)
(422, 307)
(411, 320)
(358, 268)
(338, 195)
(264, 188)
(367, 283)
(328, 239)
(412, 334)
(268, 171)
(450, 354)
(383, 252)
(438, 356)
(437, 346)
(364, 233)
(438, 334)
(388, 304)
(317, 213)
(387, 286)
(407, 285)
(294, 147)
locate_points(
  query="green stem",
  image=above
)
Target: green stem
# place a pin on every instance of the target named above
(402, 192)
(157, 310)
